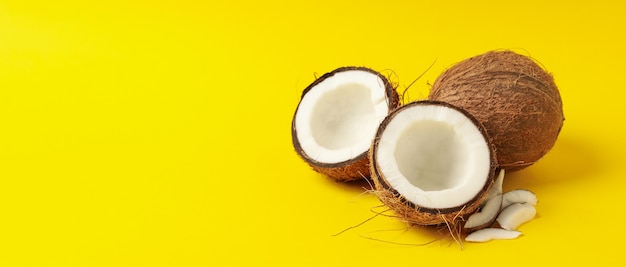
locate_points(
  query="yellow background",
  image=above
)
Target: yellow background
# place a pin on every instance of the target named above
(157, 133)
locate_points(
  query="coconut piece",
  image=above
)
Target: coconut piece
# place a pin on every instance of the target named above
(488, 234)
(489, 211)
(432, 163)
(335, 121)
(486, 216)
(496, 189)
(518, 196)
(515, 215)
(514, 98)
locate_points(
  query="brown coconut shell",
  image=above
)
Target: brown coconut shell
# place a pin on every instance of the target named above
(513, 97)
(352, 169)
(411, 212)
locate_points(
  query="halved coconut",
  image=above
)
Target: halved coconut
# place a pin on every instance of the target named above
(335, 122)
(432, 163)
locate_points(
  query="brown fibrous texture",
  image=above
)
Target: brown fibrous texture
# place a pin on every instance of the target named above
(351, 171)
(514, 98)
(412, 214)
(358, 167)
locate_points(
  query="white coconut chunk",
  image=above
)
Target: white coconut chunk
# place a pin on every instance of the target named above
(487, 234)
(491, 208)
(496, 188)
(486, 215)
(515, 215)
(337, 121)
(518, 196)
(435, 156)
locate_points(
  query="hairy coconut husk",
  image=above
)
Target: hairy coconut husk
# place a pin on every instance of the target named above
(514, 98)
(410, 212)
(355, 169)
(358, 167)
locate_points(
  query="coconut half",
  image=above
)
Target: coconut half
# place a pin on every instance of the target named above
(337, 117)
(432, 163)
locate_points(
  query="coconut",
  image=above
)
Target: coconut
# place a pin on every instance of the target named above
(432, 163)
(489, 209)
(515, 215)
(514, 98)
(489, 234)
(335, 121)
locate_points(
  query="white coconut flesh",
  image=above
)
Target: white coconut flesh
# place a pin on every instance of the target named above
(491, 208)
(519, 196)
(434, 156)
(337, 119)
(488, 234)
(515, 215)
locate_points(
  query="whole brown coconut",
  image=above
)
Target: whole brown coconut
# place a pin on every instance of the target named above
(514, 98)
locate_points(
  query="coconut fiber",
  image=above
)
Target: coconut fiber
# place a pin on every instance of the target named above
(514, 98)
